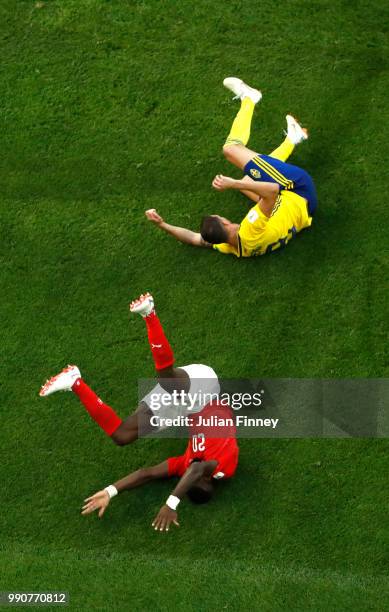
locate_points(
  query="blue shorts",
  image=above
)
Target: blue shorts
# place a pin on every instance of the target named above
(272, 170)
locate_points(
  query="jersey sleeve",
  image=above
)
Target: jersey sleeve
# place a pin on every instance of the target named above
(226, 453)
(176, 466)
(225, 248)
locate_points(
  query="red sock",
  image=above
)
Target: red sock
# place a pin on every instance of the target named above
(159, 344)
(104, 416)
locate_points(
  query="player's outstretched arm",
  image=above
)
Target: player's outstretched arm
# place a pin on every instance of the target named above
(168, 513)
(179, 233)
(100, 500)
(266, 191)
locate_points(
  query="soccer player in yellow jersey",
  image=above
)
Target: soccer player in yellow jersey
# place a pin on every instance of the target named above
(284, 195)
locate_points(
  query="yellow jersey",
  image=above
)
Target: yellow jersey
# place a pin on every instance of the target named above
(259, 234)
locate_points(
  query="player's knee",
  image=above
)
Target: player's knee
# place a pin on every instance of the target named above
(119, 438)
(229, 152)
(118, 441)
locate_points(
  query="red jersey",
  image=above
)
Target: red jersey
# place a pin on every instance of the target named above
(214, 419)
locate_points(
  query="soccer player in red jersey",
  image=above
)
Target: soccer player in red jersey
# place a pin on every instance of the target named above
(194, 380)
(211, 454)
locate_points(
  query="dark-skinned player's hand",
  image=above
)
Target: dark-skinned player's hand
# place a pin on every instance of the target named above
(153, 216)
(165, 517)
(99, 501)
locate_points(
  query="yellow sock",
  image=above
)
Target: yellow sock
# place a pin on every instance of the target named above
(284, 150)
(240, 130)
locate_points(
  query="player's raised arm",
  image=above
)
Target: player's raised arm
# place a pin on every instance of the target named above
(266, 191)
(254, 197)
(100, 500)
(192, 477)
(179, 233)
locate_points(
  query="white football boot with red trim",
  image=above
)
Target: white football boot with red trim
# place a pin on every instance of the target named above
(63, 381)
(295, 132)
(144, 305)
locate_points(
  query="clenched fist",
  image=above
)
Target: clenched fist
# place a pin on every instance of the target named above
(153, 216)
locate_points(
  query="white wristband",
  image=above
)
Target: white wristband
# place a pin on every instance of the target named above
(172, 501)
(111, 490)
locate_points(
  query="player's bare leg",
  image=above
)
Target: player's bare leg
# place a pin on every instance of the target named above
(128, 430)
(238, 155)
(171, 378)
(235, 149)
(121, 432)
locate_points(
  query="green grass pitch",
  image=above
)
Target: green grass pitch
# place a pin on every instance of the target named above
(112, 107)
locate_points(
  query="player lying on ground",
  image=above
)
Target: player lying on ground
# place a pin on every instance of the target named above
(194, 379)
(206, 458)
(285, 195)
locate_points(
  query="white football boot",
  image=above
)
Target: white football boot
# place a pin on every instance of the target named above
(63, 381)
(144, 305)
(295, 132)
(241, 90)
